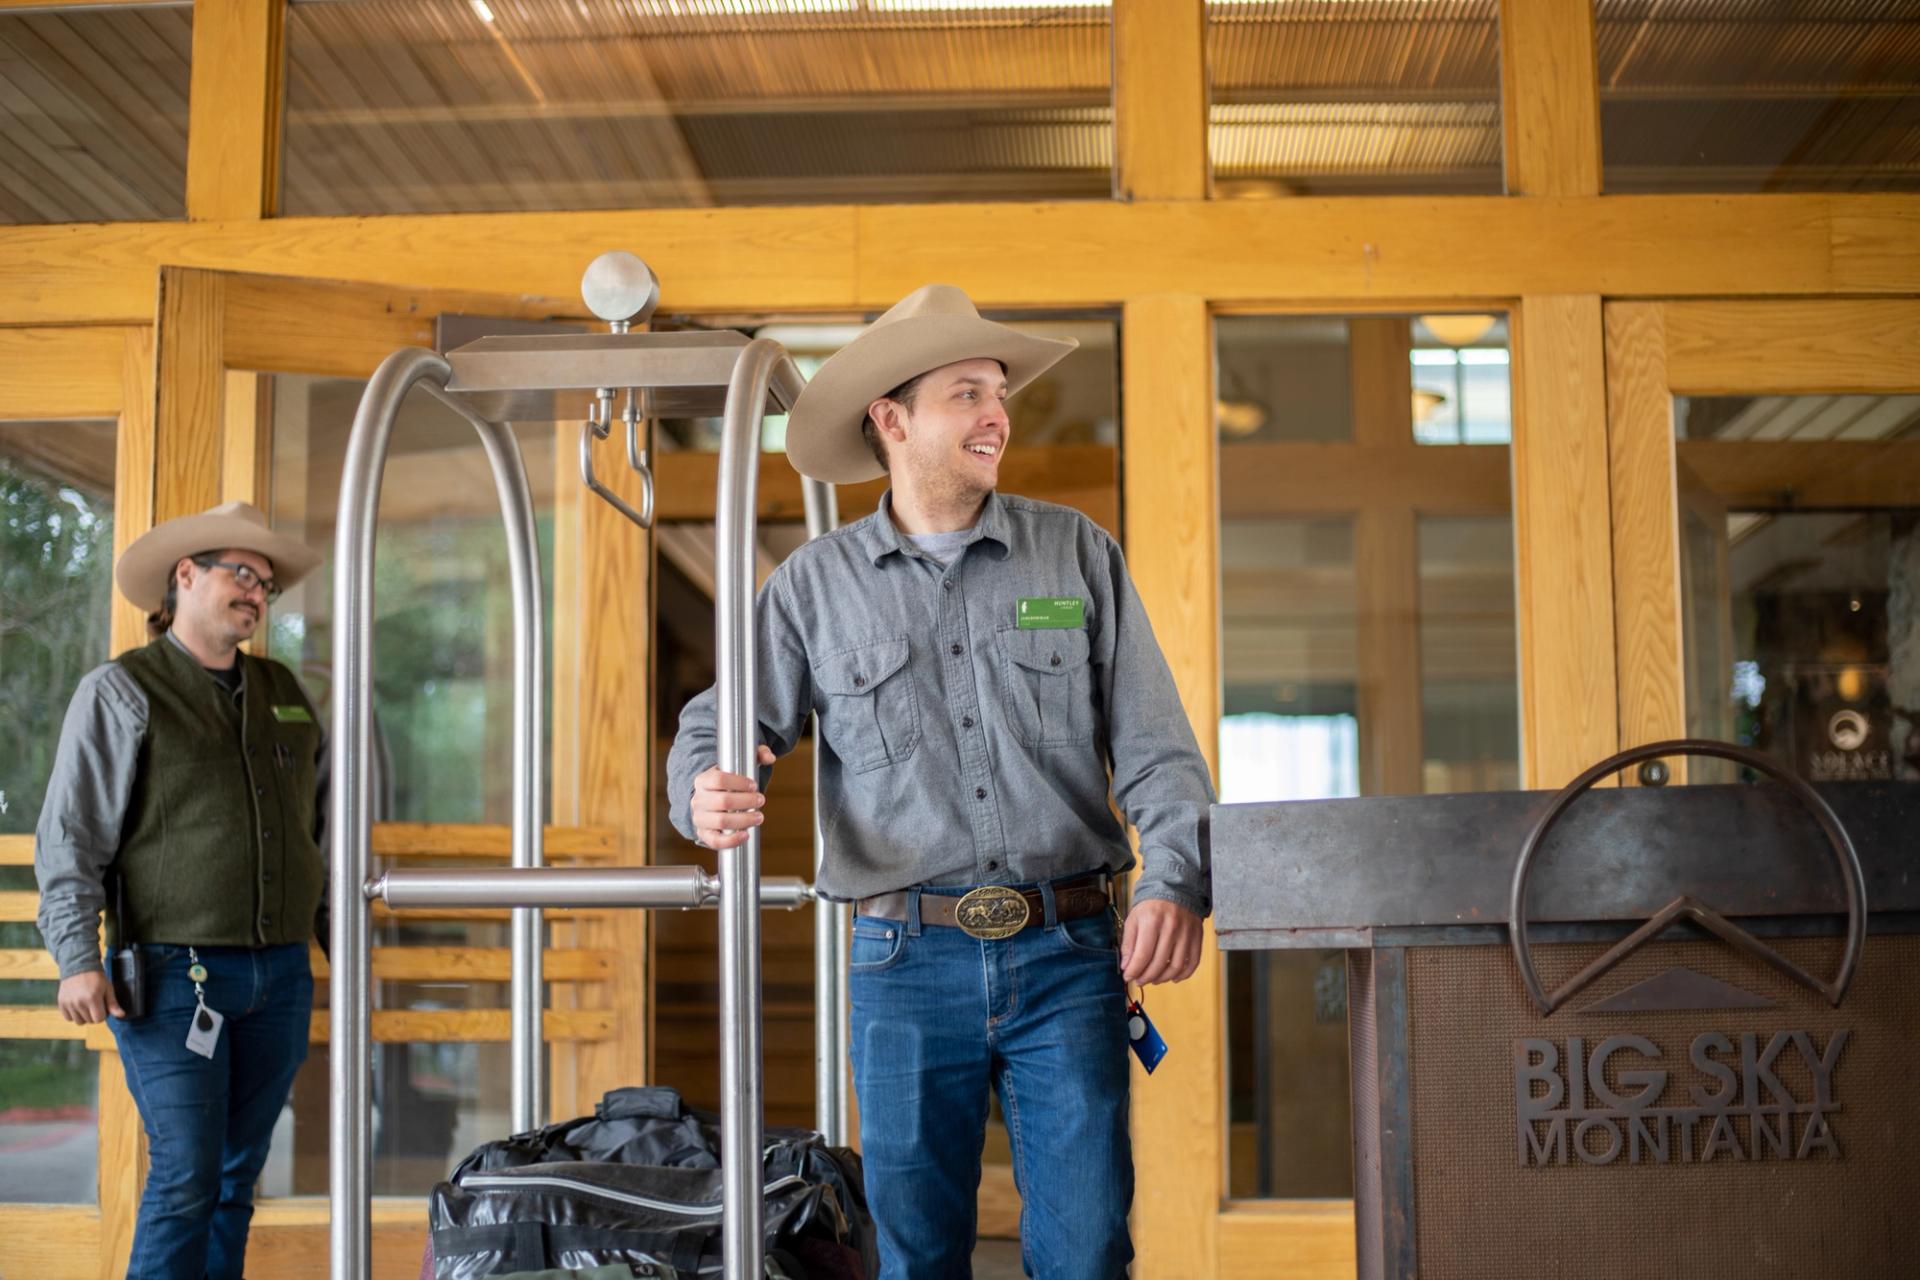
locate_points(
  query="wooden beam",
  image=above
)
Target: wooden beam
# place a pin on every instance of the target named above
(1303, 1238)
(1550, 97)
(61, 373)
(450, 1026)
(19, 906)
(482, 840)
(234, 101)
(1312, 479)
(849, 259)
(1170, 466)
(16, 851)
(192, 388)
(473, 964)
(1646, 533)
(1160, 100)
(1782, 475)
(1077, 475)
(1386, 556)
(1569, 707)
(1807, 347)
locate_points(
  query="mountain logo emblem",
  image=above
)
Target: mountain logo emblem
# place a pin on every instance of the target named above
(1679, 988)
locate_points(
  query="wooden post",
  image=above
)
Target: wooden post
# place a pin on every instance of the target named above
(1171, 513)
(1569, 709)
(190, 392)
(233, 111)
(1160, 100)
(1550, 97)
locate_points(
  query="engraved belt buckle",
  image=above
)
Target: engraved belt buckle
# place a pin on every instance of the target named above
(992, 911)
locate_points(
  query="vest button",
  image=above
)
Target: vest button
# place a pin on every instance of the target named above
(266, 833)
(260, 791)
(266, 877)
(266, 922)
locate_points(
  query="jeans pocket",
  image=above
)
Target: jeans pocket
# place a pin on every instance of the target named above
(877, 945)
(1091, 935)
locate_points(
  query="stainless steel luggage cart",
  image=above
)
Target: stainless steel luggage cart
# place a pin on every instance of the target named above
(490, 383)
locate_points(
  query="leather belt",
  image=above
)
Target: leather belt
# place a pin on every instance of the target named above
(995, 911)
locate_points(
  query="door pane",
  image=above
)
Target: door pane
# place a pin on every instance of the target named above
(1800, 580)
(56, 585)
(443, 709)
(1368, 647)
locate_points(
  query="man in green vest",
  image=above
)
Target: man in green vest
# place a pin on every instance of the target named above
(185, 803)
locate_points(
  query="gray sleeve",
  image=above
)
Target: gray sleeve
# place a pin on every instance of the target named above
(1160, 779)
(785, 697)
(86, 802)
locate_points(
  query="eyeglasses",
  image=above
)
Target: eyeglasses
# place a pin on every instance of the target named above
(246, 578)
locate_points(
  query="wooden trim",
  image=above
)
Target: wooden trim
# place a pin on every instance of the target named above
(191, 386)
(39, 1022)
(1294, 1238)
(133, 474)
(19, 906)
(489, 841)
(288, 1240)
(61, 373)
(1160, 100)
(35, 964)
(1806, 347)
(1646, 532)
(1563, 539)
(123, 1165)
(852, 258)
(246, 444)
(49, 1241)
(1550, 97)
(442, 1026)
(1386, 554)
(16, 851)
(233, 113)
(469, 964)
(616, 760)
(1170, 471)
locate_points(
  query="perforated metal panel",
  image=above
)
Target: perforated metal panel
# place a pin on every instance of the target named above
(1483, 1215)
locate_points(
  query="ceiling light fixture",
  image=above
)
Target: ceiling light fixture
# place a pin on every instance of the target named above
(1459, 331)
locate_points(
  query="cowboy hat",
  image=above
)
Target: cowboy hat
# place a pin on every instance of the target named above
(146, 567)
(934, 325)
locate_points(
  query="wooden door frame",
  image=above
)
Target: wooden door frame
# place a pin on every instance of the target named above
(86, 372)
(1657, 350)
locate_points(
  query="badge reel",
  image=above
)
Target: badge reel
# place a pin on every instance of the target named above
(1143, 1038)
(204, 1032)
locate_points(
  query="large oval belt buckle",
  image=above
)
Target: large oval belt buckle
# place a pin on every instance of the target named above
(992, 911)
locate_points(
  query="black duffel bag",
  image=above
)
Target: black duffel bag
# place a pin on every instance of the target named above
(638, 1182)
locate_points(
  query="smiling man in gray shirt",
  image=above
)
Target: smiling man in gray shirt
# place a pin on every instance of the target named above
(988, 690)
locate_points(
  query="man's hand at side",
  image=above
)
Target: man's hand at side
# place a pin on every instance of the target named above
(1162, 943)
(87, 997)
(726, 807)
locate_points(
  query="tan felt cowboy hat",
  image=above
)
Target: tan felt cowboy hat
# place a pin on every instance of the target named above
(146, 566)
(934, 325)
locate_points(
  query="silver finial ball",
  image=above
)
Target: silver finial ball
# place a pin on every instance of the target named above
(620, 288)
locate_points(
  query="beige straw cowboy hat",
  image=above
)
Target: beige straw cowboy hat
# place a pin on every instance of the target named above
(147, 565)
(934, 325)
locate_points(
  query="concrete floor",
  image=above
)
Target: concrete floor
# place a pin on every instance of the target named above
(997, 1260)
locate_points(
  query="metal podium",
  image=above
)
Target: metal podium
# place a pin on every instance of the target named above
(490, 383)
(1612, 1033)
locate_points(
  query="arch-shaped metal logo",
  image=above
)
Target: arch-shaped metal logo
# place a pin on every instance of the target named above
(1685, 907)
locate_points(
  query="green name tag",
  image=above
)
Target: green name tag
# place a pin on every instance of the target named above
(1050, 613)
(293, 715)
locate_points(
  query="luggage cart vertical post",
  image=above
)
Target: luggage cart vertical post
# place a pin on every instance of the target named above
(830, 919)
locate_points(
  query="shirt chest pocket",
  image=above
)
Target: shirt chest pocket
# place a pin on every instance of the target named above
(1048, 686)
(868, 712)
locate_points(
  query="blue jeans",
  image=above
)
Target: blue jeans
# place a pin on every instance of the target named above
(941, 1018)
(209, 1121)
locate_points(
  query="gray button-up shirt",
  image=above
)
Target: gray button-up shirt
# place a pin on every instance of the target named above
(959, 748)
(78, 835)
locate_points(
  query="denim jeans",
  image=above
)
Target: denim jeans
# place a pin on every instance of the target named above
(209, 1121)
(939, 1019)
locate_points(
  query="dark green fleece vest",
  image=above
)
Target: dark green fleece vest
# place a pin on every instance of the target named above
(217, 845)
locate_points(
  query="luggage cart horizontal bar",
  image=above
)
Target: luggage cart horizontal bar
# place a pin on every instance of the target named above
(683, 887)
